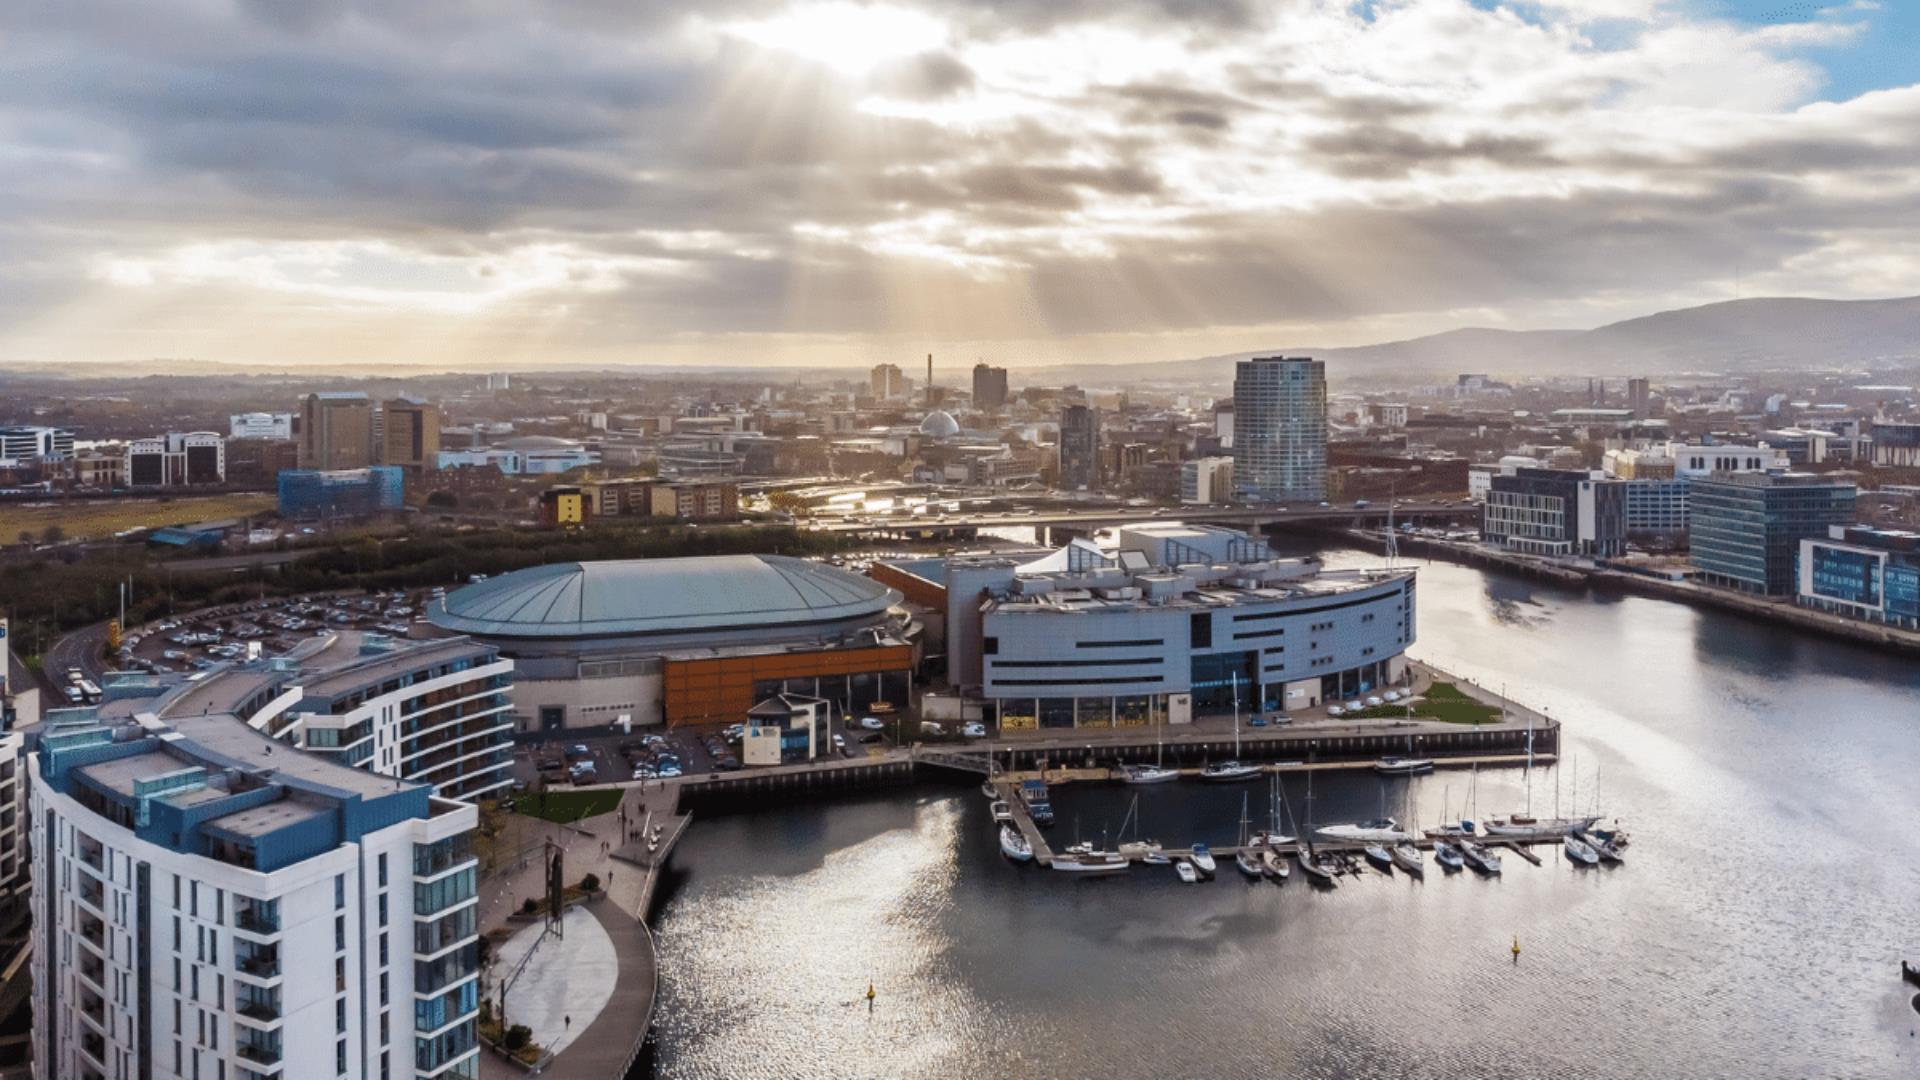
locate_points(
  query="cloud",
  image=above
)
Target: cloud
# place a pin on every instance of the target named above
(597, 179)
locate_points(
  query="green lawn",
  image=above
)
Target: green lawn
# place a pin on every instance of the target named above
(1444, 702)
(567, 805)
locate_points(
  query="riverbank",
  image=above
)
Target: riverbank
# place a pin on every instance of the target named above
(1772, 610)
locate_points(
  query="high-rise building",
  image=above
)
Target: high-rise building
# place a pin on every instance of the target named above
(989, 387)
(1280, 429)
(888, 382)
(260, 461)
(411, 435)
(229, 905)
(28, 443)
(336, 431)
(176, 459)
(1745, 529)
(1637, 397)
(1079, 448)
(1863, 573)
(261, 425)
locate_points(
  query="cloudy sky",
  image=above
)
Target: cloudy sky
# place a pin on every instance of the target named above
(494, 183)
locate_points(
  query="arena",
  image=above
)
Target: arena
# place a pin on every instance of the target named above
(679, 641)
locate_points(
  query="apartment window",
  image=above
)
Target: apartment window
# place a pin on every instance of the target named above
(383, 909)
(990, 646)
(383, 949)
(339, 932)
(339, 892)
(1200, 629)
(340, 1057)
(382, 864)
(383, 988)
(340, 1015)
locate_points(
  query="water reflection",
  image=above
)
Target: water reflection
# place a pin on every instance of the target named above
(1767, 779)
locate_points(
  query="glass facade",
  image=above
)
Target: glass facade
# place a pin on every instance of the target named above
(311, 493)
(1746, 529)
(1280, 430)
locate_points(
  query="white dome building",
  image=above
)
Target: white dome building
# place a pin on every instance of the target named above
(939, 425)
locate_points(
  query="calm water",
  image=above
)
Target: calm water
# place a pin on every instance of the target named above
(1771, 783)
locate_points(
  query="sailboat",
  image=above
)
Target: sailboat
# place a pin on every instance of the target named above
(1461, 827)
(1086, 859)
(1320, 869)
(1524, 826)
(1244, 856)
(1229, 771)
(1136, 848)
(1579, 851)
(1480, 857)
(1447, 855)
(1156, 773)
(1405, 854)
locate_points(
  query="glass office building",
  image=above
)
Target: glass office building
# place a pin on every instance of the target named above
(1864, 573)
(1747, 528)
(1280, 430)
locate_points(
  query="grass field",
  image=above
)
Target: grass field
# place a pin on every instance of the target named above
(97, 520)
(1443, 701)
(567, 805)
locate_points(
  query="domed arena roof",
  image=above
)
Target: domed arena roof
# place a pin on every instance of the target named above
(939, 425)
(659, 596)
(539, 442)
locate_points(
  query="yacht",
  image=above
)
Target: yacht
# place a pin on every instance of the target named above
(1400, 766)
(1001, 811)
(1479, 857)
(1229, 771)
(1447, 855)
(1249, 863)
(1378, 831)
(1203, 860)
(1380, 857)
(1014, 846)
(1092, 862)
(1148, 774)
(1523, 827)
(1156, 857)
(1579, 852)
(1186, 871)
(1407, 857)
(1608, 850)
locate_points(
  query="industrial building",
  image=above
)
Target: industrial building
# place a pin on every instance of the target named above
(691, 640)
(232, 906)
(1173, 620)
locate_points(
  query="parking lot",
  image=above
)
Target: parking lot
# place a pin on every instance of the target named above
(230, 632)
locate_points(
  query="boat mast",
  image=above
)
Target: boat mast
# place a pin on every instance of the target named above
(1236, 716)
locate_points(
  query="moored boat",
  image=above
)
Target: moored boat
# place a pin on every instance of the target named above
(1148, 774)
(1479, 857)
(1014, 846)
(1379, 856)
(1402, 766)
(1249, 864)
(1091, 862)
(1001, 811)
(1380, 831)
(1221, 772)
(1606, 849)
(1274, 865)
(1186, 871)
(1320, 869)
(1156, 857)
(1447, 855)
(1202, 858)
(1578, 850)
(1407, 857)
(1524, 827)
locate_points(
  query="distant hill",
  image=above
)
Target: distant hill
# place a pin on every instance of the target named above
(1737, 335)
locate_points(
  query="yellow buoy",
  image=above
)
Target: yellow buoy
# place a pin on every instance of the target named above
(1516, 947)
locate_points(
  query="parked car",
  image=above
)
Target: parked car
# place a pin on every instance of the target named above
(873, 723)
(974, 730)
(931, 727)
(1335, 710)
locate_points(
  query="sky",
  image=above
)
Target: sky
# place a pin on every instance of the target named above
(510, 183)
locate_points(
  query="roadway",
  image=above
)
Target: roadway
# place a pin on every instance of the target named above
(1110, 516)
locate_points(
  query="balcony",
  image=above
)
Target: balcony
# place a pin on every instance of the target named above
(93, 931)
(264, 1007)
(94, 1007)
(257, 916)
(241, 1072)
(91, 852)
(92, 970)
(261, 962)
(260, 1049)
(94, 1046)
(91, 893)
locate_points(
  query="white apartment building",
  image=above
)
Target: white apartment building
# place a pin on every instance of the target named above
(176, 459)
(435, 712)
(1206, 480)
(260, 425)
(219, 904)
(27, 443)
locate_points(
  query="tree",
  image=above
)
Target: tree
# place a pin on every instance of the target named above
(590, 883)
(53, 534)
(26, 537)
(443, 500)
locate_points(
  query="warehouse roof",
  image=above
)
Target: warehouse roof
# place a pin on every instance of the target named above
(660, 596)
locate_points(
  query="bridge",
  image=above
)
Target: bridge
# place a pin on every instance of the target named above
(1086, 520)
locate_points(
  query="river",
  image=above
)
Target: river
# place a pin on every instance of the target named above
(1770, 780)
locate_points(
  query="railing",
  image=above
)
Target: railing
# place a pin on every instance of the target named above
(264, 964)
(259, 1008)
(263, 1052)
(257, 919)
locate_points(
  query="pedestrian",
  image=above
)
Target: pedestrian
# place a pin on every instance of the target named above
(569, 1022)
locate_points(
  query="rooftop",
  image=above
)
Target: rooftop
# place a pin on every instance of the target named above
(660, 596)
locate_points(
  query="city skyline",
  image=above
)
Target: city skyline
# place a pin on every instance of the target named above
(842, 184)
